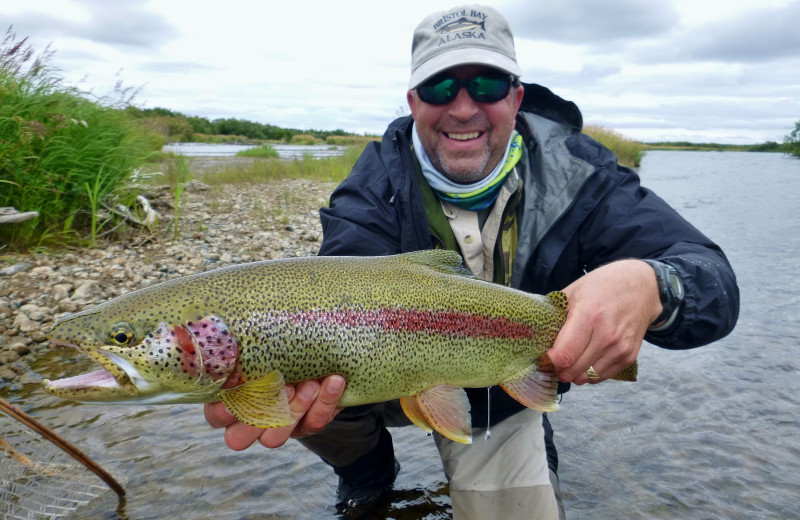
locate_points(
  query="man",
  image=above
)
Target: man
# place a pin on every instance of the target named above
(500, 172)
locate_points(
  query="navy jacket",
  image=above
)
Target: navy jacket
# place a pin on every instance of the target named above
(579, 210)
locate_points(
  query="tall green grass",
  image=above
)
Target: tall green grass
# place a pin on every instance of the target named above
(60, 153)
(629, 152)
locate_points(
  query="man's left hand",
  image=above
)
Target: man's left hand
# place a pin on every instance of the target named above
(608, 313)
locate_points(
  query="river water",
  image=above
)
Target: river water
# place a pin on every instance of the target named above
(285, 151)
(710, 433)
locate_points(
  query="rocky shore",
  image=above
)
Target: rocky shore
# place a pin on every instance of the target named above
(221, 226)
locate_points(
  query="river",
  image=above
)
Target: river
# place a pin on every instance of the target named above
(710, 433)
(285, 151)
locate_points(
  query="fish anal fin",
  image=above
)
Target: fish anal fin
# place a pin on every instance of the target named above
(446, 410)
(261, 403)
(629, 373)
(414, 413)
(535, 387)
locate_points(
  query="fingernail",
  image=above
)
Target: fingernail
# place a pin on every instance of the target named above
(335, 384)
(308, 391)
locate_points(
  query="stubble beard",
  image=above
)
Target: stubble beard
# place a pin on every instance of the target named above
(462, 174)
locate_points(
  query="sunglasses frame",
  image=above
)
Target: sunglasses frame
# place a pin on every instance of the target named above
(466, 83)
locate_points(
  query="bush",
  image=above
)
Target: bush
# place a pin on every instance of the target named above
(60, 153)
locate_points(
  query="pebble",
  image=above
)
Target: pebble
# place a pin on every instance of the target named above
(218, 227)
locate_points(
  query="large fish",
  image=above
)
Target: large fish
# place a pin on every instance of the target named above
(416, 326)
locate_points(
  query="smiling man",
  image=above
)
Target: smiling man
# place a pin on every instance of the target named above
(499, 171)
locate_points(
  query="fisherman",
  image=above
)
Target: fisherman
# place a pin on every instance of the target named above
(499, 171)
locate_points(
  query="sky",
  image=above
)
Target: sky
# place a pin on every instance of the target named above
(653, 70)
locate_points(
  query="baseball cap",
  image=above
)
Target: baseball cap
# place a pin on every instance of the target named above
(470, 34)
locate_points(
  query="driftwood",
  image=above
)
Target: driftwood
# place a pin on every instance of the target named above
(12, 216)
(150, 215)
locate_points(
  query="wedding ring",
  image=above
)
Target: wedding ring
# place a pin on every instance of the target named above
(593, 376)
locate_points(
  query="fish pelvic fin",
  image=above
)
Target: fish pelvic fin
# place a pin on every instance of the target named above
(629, 373)
(261, 403)
(414, 413)
(443, 408)
(535, 387)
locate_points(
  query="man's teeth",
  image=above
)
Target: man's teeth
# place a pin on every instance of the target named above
(464, 137)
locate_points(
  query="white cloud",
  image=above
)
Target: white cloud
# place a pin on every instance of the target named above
(726, 72)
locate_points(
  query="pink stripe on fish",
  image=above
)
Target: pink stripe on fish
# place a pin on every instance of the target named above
(448, 323)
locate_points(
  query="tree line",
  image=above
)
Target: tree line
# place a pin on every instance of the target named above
(177, 127)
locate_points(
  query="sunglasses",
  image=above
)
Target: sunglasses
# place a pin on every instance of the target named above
(483, 88)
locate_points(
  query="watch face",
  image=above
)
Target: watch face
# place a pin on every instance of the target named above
(676, 285)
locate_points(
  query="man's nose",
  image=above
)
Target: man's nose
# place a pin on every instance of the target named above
(463, 107)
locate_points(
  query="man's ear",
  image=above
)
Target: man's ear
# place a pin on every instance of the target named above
(411, 102)
(520, 93)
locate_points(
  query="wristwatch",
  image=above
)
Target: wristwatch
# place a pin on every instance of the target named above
(670, 290)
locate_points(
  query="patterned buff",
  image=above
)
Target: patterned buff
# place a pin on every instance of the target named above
(476, 196)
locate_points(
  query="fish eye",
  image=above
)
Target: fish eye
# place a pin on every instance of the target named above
(121, 334)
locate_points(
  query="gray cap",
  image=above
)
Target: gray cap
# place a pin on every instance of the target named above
(470, 34)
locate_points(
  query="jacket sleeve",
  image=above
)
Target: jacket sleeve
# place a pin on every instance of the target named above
(636, 223)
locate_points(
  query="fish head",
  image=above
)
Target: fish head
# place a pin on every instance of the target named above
(148, 355)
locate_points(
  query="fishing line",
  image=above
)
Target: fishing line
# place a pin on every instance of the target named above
(488, 434)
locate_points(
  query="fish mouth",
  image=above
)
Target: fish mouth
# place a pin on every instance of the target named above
(116, 376)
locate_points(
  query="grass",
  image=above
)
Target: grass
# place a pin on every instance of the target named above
(329, 169)
(61, 154)
(264, 150)
(629, 152)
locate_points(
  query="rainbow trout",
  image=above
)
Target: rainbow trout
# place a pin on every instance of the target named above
(415, 326)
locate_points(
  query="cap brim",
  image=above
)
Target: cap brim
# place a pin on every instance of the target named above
(459, 57)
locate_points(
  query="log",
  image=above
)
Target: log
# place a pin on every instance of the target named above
(12, 216)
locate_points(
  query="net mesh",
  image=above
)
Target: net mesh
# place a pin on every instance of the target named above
(38, 480)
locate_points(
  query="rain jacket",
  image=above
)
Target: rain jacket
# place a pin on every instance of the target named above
(579, 210)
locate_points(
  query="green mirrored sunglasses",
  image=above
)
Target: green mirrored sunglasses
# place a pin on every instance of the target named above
(483, 88)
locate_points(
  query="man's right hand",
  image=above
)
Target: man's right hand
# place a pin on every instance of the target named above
(313, 405)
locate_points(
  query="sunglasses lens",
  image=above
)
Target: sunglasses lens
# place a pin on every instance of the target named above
(439, 91)
(482, 88)
(489, 89)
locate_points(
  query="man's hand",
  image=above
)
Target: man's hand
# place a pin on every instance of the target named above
(608, 314)
(313, 405)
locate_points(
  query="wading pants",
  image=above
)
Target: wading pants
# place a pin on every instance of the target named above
(506, 476)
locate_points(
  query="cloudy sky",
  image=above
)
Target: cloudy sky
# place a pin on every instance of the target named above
(694, 70)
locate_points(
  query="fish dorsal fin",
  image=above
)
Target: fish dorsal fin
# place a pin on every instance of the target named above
(414, 413)
(446, 409)
(442, 260)
(261, 403)
(536, 387)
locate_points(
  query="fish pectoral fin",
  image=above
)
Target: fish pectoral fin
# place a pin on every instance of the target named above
(536, 387)
(629, 373)
(261, 403)
(414, 413)
(446, 409)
